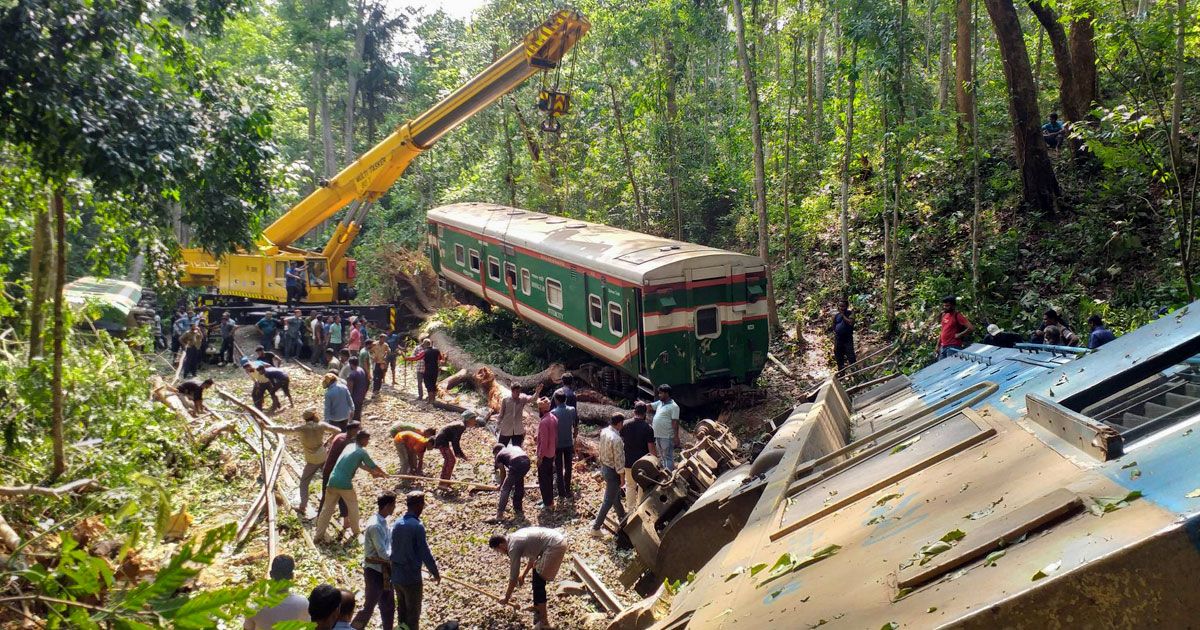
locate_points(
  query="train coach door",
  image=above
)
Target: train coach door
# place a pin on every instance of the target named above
(709, 292)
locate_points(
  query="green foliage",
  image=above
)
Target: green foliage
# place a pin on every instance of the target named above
(498, 338)
(79, 579)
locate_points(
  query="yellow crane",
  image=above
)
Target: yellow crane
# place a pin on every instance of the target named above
(260, 275)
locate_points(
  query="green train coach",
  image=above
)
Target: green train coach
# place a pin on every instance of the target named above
(659, 310)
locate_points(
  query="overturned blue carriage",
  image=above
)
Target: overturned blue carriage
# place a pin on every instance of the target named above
(1032, 487)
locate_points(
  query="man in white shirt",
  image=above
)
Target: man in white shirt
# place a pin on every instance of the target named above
(292, 608)
(511, 425)
(666, 426)
(612, 459)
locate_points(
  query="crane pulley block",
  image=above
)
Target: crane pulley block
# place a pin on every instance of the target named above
(554, 102)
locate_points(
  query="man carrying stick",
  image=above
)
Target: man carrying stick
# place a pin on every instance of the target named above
(312, 438)
(544, 549)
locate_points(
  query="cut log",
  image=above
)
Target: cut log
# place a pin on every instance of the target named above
(214, 431)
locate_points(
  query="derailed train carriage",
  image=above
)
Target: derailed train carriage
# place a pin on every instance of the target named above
(658, 310)
(1033, 487)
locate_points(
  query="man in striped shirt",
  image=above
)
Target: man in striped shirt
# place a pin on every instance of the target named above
(612, 459)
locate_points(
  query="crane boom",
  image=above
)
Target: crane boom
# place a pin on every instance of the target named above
(369, 176)
(259, 275)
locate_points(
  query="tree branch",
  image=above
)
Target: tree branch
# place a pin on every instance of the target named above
(77, 486)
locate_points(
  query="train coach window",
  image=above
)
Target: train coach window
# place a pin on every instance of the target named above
(595, 311)
(494, 268)
(708, 324)
(510, 275)
(460, 255)
(616, 321)
(554, 293)
(525, 281)
(474, 261)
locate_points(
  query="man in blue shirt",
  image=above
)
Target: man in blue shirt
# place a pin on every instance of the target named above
(339, 405)
(410, 550)
(1053, 132)
(269, 327)
(564, 453)
(377, 566)
(1100, 335)
(277, 379)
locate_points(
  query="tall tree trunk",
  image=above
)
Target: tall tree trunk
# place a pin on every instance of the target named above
(313, 105)
(643, 219)
(1181, 24)
(1039, 185)
(39, 277)
(943, 93)
(353, 67)
(975, 193)
(1062, 57)
(844, 214)
(787, 156)
(891, 243)
(760, 176)
(327, 131)
(818, 113)
(1083, 57)
(56, 376)
(1074, 59)
(672, 136)
(1037, 62)
(510, 174)
(963, 97)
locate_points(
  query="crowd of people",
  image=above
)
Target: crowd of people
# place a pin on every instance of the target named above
(954, 333)
(396, 553)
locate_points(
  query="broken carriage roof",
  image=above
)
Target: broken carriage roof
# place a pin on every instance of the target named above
(850, 542)
(630, 256)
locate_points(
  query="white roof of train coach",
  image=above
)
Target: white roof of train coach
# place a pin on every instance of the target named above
(630, 256)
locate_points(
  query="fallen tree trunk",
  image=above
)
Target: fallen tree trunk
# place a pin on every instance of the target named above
(493, 383)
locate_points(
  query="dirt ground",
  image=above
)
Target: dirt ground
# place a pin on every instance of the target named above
(455, 524)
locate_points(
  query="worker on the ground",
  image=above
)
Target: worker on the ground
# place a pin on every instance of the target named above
(277, 379)
(427, 371)
(547, 449)
(356, 381)
(638, 439)
(1099, 335)
(666, 426)
(515, 465)
(192, 390)
(409, 552)
(266, 356)
(293, 336)
(269, 327)
(393, 342)
(336, 446)
(334, 333)
(955, 326)
(332, 364)
(324, 606)
(320, 342)
(612, 461)
(293, 607)
(312, 434)
(179, 326)
(377, 566)
(339, 405)
(511, 425)
(341, 484)
(447, 442)
(355, 340)
(568, 389)
(228, 326)
(192, 341)
(410, 450)
(344, 359)
(1000, 338)
(418, 357)
(259, 391)
(379, 362)
(544, 550)
(564, 451)
(843, 336)
(364, 357)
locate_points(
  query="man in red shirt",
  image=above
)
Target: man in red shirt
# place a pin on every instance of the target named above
(955, 326)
